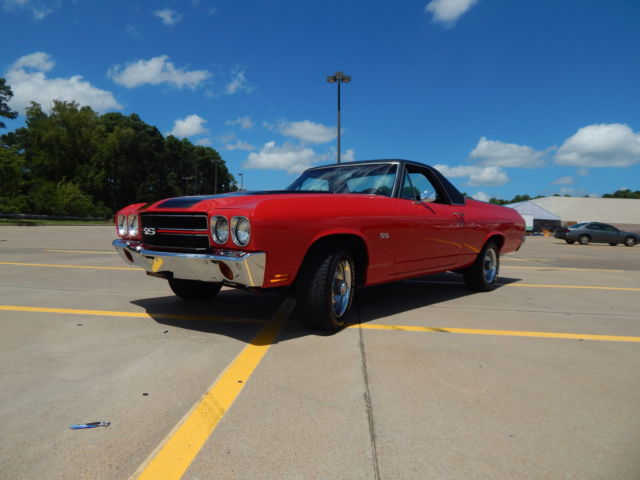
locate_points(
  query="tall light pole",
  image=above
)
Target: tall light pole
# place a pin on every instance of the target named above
(339, 78)
(241, 181)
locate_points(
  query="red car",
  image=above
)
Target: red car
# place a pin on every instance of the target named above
(334, 229)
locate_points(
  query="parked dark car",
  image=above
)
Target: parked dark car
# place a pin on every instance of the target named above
(596, 232)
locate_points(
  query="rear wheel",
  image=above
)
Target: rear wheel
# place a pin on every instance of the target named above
(584, 239)
(482, 276)
(325, 289)
(629, 241)
(194, 289)
(570, 242)
(613, 244)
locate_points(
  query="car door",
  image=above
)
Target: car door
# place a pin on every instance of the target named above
(596, 233)
(430, 228)
(611, 234)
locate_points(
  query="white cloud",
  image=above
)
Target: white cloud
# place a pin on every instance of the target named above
(601, 145)
(238, 84)
(168, 16)
(567, 191)
(494, 153)
(348, 156)
(155, 71)
(288, 157)
(583, 171)
(478, 176)
(239, 145)
(308, 132)
(448, 11)
(482, 196)
(38, 10)
(204, 142)
(37, 61)
(188, 127)
(244, 122)
(564, 181)
(29, 82)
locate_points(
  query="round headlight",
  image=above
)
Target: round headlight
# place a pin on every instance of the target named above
(122, 225)
(220, 229)
(240, 230)
(133, 225)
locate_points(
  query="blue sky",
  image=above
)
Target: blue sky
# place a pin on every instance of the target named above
(506, 97)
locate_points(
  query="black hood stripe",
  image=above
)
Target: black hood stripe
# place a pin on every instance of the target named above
(186, 202)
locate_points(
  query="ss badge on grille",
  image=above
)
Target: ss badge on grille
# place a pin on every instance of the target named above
(149, 231)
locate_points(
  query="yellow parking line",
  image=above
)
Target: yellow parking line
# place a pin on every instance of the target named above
(532, 285)
(20, 264)
(371, 326)
(174, 455)
(81, 251)
(560, 268)
(507, 333)
(111, 313)
(585, 287)
(515, 259)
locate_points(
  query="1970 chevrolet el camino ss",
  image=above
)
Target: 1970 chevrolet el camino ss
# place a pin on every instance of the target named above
(334, 229)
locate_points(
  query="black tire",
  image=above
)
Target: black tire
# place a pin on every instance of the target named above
(194, 290)
(482, 276)
(570, 242)
(629, 241)
(613, 244)
(584, 239)
(325, 289)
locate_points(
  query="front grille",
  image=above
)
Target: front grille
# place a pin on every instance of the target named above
(174, 231)
(174, 221)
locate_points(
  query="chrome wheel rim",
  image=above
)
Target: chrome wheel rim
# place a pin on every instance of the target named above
(341, 288)
(490, 265)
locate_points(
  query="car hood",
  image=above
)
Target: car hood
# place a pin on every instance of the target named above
(227, 200)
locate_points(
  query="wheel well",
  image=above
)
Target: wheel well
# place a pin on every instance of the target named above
(356, 247)
(497, 239)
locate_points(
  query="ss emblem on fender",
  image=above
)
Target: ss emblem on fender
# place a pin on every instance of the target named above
(149, 231)
(385, 235)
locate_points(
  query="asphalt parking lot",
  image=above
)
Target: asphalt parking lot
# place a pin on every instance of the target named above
(538, 379)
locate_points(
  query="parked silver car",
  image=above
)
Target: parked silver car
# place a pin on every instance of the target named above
(596, 232)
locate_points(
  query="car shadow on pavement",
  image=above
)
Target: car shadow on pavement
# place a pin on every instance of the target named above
(238, 314)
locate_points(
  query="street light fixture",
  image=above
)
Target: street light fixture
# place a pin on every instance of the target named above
(339, 78)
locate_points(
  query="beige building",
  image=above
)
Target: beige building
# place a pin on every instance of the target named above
(623, 213)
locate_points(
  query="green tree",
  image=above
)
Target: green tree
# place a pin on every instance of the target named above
(12, 199)
(624, 193)
(5, 95)
(72, 161)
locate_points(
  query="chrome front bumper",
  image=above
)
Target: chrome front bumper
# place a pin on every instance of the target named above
(228, 266)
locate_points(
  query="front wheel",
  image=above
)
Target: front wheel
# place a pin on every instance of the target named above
(482, 276)
(325, 289)
(629, 241)
(194, 289)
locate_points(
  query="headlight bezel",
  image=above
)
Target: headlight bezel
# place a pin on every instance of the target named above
(133, 225)
(241, 238)
(219, 221)
(122, 225)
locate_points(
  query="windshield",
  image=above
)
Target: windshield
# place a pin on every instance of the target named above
(373, 179)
